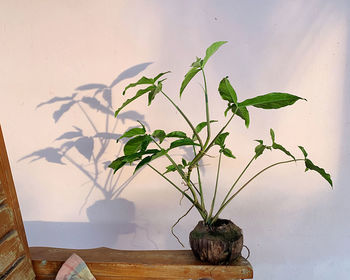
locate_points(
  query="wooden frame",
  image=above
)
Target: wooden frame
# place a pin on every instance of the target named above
(19, 262)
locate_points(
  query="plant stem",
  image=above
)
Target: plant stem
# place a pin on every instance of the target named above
(251, 179)
(202, 152)
(239, 177)
(199, 182)
(216, 188)
(172, 183)
(181, 173)
(186, 119)
(195, 203)
(206, 109)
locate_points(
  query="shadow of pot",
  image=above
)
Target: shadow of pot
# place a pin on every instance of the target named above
(118, 214)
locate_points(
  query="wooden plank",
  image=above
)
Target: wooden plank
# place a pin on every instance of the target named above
(133, 278)
(107, 263)
(2, 193)
(22, 271)
(10, 192)
(6, 220)
(11, 219)
(11, 249)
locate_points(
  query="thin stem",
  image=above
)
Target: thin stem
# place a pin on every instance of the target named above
(239, 177)
(202, 152)
(194, 186)
(251, 179)
(206, 109)
(182, 174)
(186, 119)
(216, 187)
(199, 182)
(194, 202)
(217, 135)
(173, 184)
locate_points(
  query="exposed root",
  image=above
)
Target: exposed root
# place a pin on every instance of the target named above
(172, 228)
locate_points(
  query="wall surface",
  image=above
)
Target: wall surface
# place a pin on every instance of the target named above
(64, 65)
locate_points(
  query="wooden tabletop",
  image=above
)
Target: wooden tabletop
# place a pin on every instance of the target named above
(107, 263)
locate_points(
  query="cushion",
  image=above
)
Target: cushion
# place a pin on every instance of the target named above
(74, 269)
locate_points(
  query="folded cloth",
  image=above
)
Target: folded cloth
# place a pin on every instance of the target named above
(74, 269)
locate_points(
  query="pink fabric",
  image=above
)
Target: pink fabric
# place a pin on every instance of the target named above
(74, 269)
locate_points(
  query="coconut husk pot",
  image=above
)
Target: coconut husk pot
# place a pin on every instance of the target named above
(221, 243)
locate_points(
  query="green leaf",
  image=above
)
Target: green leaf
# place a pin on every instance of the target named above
(304, 151)
(272, 133)
(160, 75)
(177, 134)
(197, 63)
(132, 132)
(153, 93)
(259, 150)
(158, 154)
(182, 142)
(278, 146)
(242, 112)
(172, 168)
(188, 77)
(117, 164)
(160, 134)
(273, 100)
(281, 148)
(200, 126)
(138, 94)
(211, 50)
(227, 92)
(310, 166)
(121, 161)
(184, 163)
(227, 152)
(137, 144)
(220, 140)
(142, 81)
(144, 161)
(137, 156)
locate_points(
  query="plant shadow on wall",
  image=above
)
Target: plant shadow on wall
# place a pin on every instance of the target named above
(84, 151)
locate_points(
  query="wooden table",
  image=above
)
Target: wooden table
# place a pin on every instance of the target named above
(106, 263)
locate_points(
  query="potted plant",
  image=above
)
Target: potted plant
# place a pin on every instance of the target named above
(213, 240)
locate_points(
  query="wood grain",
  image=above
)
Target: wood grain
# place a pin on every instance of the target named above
(2, 194)
(11, 249)
(14, 252)
(22, 271)
(107, 263)
(6, 220)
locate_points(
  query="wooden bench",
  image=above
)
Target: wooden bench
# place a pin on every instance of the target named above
(19, 262)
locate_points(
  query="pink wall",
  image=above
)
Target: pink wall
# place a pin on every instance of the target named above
(294, 225)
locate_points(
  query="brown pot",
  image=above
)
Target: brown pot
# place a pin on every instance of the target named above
(221, 243)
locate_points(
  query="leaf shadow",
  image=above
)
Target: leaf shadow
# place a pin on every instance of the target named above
(84, 150)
